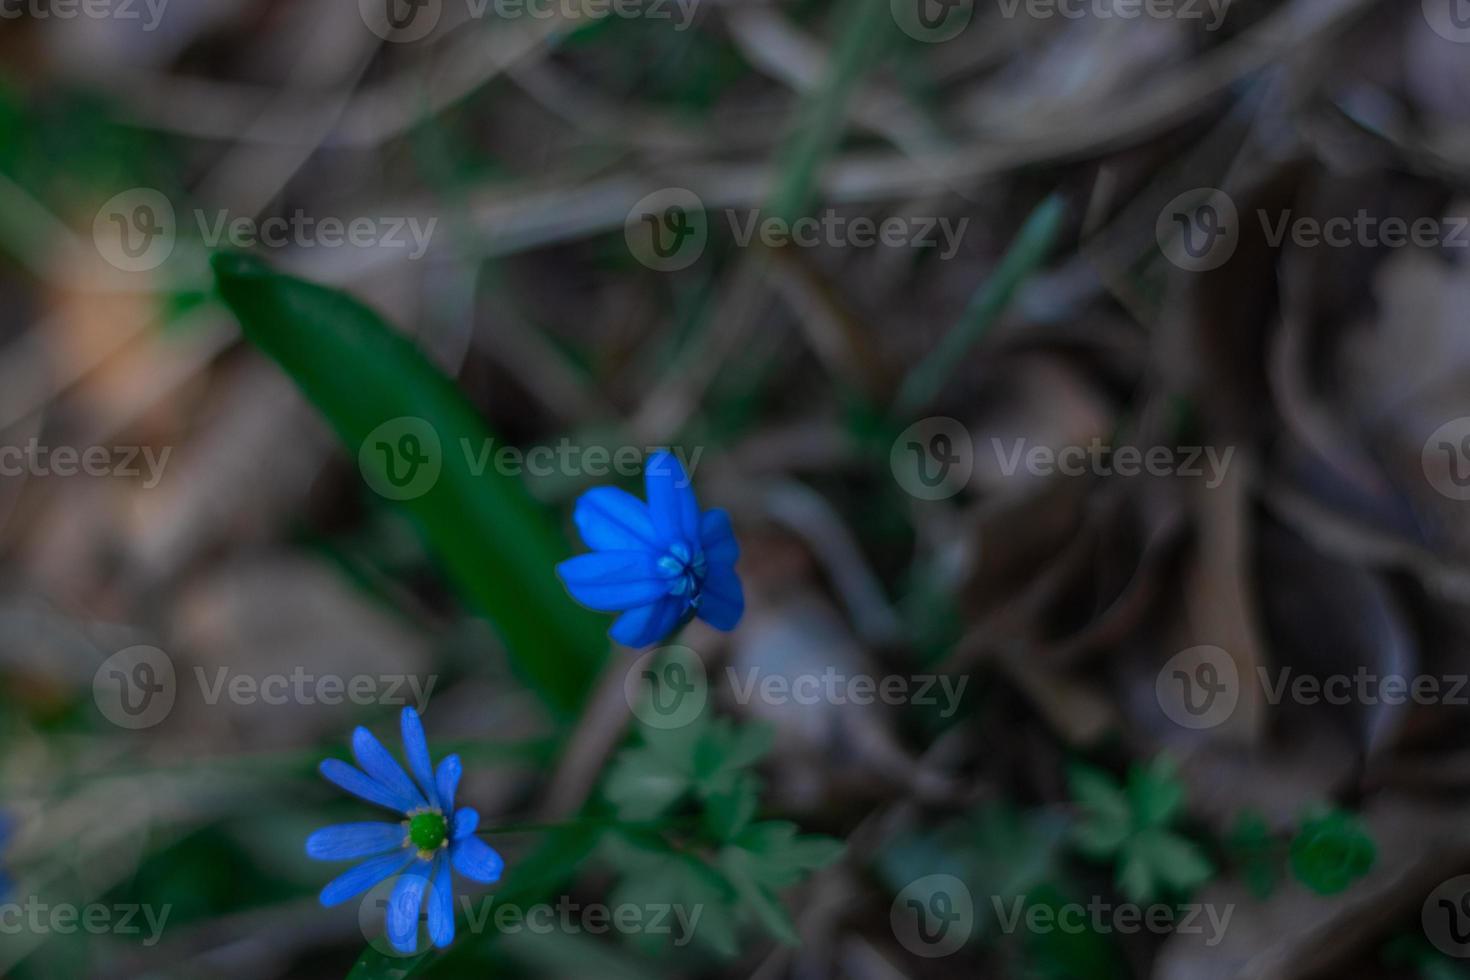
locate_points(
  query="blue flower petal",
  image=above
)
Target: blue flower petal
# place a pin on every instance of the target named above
(717, 538)
(446, 781)
(355, 840)
(611, 581)
(441, 903)
(476, 860)
(465, 822)
(722, 601)
(671, 501)
(379, 763)
(404, 907)
(367, 874)
(610, 519)
(361, 785)
(416, 747)
(648, 624)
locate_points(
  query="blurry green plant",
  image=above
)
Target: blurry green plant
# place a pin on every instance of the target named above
(496, 544)
(1255, 852)
(708, 854)
(1008, 854)
(1331, 850)
(1131, 825)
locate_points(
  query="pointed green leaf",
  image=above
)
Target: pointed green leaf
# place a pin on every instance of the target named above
(495, 544)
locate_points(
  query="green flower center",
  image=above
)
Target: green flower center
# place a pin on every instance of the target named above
(428, 830)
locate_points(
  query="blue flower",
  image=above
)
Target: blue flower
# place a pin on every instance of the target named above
(659, 564)
(421, 848)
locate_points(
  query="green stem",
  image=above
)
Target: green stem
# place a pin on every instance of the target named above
(1022, 258)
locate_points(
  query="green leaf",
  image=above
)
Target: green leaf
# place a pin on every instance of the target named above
(1106, 816)
(727, 812)
(642, 785)
(1253, 848)
(1331, 850)
(1155, 793)
(1178, 865)
(655, 874)
(495, 544)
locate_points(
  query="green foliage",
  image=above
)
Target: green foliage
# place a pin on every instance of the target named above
(705, 758)
(494, 542)
(1130, 826)
(1331, 850)
(1255, 852)
(725, 865)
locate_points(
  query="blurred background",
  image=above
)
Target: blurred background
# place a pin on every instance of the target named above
(1088, 383)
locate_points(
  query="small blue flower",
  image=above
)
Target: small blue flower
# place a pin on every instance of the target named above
(432, 837)
(659, 564)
